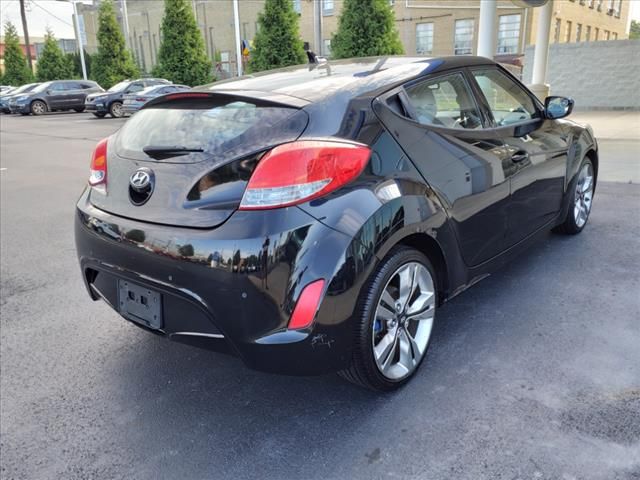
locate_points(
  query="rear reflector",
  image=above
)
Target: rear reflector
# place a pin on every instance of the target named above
(98, 168)
(300, 171)
(307, 305)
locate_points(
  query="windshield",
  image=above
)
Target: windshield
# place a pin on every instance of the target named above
(118, 87)
(42, 87)
(25, 88)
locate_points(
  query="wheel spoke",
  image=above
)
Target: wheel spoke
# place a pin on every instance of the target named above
(406, 277)
(386, 362)
(587, 184)
(384, 313)
(383, 347)
(422, 303)
(388, 299)
(415, 348)
(406, 359)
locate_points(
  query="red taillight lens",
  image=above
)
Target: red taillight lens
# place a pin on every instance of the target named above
(98, 169)
(300, 171)
(307, 305)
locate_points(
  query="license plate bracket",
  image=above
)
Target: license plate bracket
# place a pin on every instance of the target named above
(140, 304)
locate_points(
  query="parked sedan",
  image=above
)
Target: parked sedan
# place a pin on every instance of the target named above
(111, 101)
(57, 95)
(314, 219)
(134, 101)
(5, 98)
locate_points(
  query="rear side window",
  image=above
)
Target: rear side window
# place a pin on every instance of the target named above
(445, 101)
(213, 125)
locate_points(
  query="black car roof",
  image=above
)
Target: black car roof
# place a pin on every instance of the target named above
(353, 77)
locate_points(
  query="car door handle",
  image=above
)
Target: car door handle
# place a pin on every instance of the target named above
(520, 156)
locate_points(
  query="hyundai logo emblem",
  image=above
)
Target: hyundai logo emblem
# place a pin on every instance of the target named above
(141, 179)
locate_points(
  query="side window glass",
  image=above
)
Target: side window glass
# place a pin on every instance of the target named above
(508, 102)
(135, 87)
(446, 102)
(57, 87)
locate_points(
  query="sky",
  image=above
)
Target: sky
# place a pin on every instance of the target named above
(40, 15)
(58, 16)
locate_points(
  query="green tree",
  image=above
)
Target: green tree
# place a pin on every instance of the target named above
(113, 62)
(52, 63)
(366, 28)
(182, 57)
(76, 64)
(634, 31)
(277, 42)
(16, 69)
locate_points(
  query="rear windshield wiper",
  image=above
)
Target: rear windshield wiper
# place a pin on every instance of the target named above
(167, 151)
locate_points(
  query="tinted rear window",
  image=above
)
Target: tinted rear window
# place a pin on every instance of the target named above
(215, 128)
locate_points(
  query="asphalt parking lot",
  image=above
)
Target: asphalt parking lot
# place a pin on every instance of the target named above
(532, 374)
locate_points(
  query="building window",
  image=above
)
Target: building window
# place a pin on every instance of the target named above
(592, 3)
(567, 37)
(578, 32)
(618, 8)
(600, 5)
(556, 32)
(615, 35)
(607, 35)
(597, 35)
(297, 7)
(326, 47)
(424, 38)
(509, 33)
(587, 34)
(327, 7)
(245, 31)
(463, 37)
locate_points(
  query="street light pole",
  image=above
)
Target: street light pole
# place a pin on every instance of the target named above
(236, 21)
(79, 39)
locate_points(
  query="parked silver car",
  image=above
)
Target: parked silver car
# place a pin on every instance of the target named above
(134, 101)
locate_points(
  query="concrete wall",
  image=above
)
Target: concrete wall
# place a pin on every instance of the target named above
(597, 75)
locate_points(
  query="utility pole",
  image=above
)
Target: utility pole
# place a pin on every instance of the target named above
(79, 39)
(25, 30)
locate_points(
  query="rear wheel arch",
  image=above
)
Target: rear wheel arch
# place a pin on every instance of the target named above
(428, 246)
(593, 156)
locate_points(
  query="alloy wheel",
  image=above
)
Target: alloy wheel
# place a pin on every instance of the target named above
(583, 195)
(116, 110)
(403, 321)
(38, 108)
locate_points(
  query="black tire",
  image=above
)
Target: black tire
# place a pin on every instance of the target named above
(79, 109)
(363, 370)
(570, 226)
(99, 114)
(115, 110)
(38, 107)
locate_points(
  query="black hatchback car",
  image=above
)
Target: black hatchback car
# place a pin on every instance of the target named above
(111, 101)
(58, 95)
(313, 219)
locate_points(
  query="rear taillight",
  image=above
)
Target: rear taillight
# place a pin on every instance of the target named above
(98, 169)
(300, 171)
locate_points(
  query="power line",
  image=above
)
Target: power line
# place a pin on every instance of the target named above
(47, 11)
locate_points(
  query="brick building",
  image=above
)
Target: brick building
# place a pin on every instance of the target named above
(426, 27)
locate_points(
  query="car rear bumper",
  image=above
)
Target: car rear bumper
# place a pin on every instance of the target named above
(234, 287)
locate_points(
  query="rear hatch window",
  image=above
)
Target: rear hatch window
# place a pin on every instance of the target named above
(202, 151)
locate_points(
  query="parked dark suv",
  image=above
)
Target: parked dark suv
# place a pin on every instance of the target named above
(111, 101)
(54, 96)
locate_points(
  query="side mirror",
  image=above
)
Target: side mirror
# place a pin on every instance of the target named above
(557, 107)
